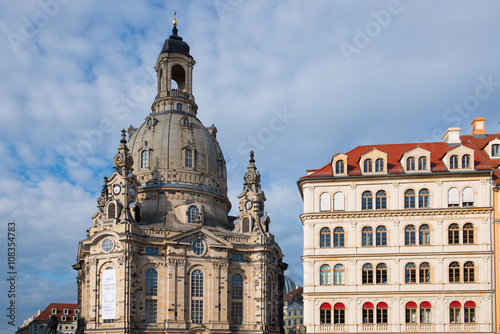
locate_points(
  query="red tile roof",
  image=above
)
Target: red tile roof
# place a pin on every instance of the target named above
(395, 153)
(293, 296)
(45, 315)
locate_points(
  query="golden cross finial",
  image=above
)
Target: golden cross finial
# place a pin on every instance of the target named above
(175, 19)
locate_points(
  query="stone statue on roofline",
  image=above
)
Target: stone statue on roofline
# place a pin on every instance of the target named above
(52, 325)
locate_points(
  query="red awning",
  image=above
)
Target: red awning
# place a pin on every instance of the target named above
(455, 304)
(367, 305)
(470, 304)
(339, 306)
(425, 304)
(382, 305)
(411, 304)
(326, 306)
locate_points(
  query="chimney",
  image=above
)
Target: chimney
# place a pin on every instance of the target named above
(478, 130)
(452, 136)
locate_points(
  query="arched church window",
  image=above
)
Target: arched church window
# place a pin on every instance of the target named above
(111, 210)
(151, 287)
(237, 299)
(192, 213)
(151, 291)
(245, 225)
(179, 77)
(137, 214)
(197, 296)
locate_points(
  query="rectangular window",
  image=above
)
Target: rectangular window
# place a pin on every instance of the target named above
(425, 315)
(470, 314)
(325, 316)
(151, 251)
(381, 276)
(151, 310)
(237, 313)
(455, 314)
(381, 316)
(368, 316)
(197, 311)
(411, 315)
(237, 257)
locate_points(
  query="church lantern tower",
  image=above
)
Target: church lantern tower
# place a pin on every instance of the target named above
(162, 254)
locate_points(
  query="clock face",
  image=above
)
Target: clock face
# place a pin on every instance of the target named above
(116, 189)
(131, 191)
(301, 328)
(249, 177)
(248, 205)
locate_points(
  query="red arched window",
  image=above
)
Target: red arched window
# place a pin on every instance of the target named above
(425, 312)
(469, 312)
(411, 312)
(339, 313)
(382, 313)
(368, 313)
(325, 313)
(455, 312)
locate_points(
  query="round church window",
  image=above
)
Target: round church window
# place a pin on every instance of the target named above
(198, 247)
(108, 245)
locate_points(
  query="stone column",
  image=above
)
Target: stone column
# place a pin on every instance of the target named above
(182, 302)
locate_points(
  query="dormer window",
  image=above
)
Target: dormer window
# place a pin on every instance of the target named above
(66, 311)
(422, 163)
(466, 161)
(368, 166)
(495, 150)
(145, 159)
(379, 165)
(454, 162)
(188, 158)
(410, 164)
(192, 213)
(339, 167)
(54, 311)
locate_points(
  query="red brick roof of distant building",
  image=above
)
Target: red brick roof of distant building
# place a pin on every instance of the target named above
(294, 296)
(395, 153)
(45, 315)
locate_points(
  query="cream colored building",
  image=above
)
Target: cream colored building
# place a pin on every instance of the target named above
(162, 254)
(399, 237)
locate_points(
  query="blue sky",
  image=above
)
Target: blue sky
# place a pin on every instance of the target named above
(296, 81)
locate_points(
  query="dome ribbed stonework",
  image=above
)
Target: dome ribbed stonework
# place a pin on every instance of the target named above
(166, 137)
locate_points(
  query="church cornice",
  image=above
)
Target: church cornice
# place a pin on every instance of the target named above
(446, 212)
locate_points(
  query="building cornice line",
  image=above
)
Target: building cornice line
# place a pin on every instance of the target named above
(395, 213)
(384, 294)
(390, 256)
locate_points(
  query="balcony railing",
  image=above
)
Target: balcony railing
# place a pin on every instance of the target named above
(332, 328)
(382, 327)
(176, 93)
(456, 327)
